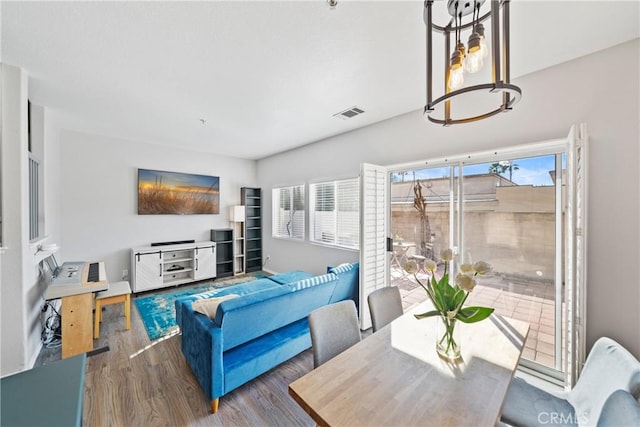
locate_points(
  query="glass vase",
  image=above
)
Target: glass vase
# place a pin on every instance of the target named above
(448, 339)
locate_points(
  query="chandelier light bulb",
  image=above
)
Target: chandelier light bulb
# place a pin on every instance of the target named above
(456, 73)
(483, 42)
(474, 60)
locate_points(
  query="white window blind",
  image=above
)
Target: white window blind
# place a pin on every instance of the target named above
(335, 213)
(288, 212)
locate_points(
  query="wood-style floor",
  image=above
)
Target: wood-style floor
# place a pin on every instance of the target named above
(143, 383)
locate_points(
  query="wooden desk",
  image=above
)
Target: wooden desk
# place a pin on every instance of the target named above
(395, 377)
(76, 312)
(50, 395)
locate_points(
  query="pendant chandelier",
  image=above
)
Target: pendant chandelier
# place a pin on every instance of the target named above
(461, 61)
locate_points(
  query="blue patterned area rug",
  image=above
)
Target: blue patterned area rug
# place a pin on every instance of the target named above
(158, 311)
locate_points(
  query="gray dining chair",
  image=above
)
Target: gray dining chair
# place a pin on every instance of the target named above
(334, 328)
(385, 305)
(620, 409)
(609, 367)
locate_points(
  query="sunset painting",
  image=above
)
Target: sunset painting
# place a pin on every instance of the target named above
(162, 192)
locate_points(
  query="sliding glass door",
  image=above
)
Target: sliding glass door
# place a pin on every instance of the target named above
(506, 210)
(511, 217)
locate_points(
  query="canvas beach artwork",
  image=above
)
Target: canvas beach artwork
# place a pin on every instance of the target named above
(161, 192)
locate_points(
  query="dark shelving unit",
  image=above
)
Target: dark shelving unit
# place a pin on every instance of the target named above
(252, 201)
(224, 249)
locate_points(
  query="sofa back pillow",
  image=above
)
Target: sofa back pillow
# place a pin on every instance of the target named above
(312, 281)
(251, 316)
(348, 283)
(238, 289)
(290, 277)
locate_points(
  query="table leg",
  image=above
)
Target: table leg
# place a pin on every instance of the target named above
(77, 325)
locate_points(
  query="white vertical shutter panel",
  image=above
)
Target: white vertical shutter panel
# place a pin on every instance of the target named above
(576, 252)
(373, 234)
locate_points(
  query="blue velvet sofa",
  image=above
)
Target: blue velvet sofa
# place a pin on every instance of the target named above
(263, 327)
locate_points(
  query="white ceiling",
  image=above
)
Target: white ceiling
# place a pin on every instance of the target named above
(266, 76)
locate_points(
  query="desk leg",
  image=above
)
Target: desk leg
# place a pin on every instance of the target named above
(77, 325)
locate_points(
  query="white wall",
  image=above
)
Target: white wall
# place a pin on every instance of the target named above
(553, 100)
(98, 197)
(19, 290)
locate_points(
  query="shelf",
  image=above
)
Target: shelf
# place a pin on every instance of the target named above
(224, 249)
(251, 198)
(182, 270)
(177, 281)
(170, 260)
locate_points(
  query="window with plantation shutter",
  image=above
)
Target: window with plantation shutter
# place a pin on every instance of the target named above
(335, 213)
(288, 212)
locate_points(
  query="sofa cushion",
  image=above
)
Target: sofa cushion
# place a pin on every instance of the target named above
(290, 277)
(312, 281)
(347, 266)
(246, 362)
(250, 316)
(209, 306)
(239, 289)
(254, 315)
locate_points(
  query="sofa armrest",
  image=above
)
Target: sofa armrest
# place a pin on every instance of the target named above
(348, 286)
(201, 346)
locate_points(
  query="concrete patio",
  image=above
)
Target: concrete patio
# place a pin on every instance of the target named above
(515, 298)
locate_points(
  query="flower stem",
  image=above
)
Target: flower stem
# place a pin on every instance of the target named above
(447, 341)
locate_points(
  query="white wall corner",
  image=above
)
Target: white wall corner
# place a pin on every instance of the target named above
(15, 262)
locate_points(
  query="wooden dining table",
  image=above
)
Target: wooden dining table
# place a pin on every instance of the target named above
(394, 377)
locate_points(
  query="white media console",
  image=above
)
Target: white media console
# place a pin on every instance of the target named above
(170, 265)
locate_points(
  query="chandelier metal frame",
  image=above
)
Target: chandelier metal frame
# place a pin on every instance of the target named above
(500, 71)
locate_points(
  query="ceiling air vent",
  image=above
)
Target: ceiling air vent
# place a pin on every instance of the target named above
(349, 113)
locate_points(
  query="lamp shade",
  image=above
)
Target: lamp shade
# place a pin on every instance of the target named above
(236, 213)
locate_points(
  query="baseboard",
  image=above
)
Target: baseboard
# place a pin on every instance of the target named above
(270, 271)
